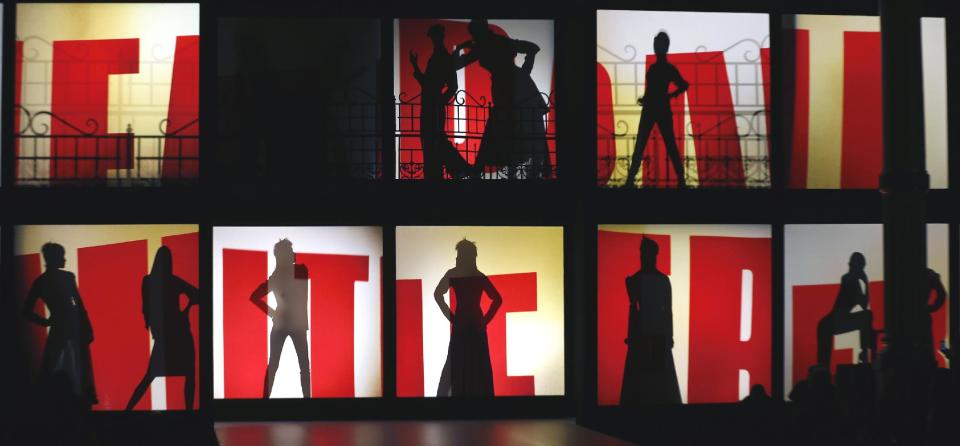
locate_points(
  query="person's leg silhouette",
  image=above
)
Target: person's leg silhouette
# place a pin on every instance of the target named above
(140, 390)
(276, 347)
(646, 125)
(825, 340)
(665, 124)
(303, 357)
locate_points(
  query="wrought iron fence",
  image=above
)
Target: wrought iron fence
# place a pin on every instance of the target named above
(87, 156)
(526, 138)
(704, 165)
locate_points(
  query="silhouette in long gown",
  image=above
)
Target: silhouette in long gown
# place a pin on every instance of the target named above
(649, 374)
(438, 85)
(173, 352)
(467, 371)
(512, 133)
(289, 285)
(854, 291)
(67, 351)
(656, 109)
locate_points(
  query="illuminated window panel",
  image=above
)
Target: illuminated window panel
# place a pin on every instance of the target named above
(301, 305)
(113, 310)
(502, 288)
(683, 313)
(107, 94)
(683, 99)
(833, 94)
(477, 100)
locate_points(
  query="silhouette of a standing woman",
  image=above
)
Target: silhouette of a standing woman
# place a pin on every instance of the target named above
(173, 352)
(438, 85)
(656, 109)
(467, 371)
(67, 351)
(289, 285)
(506, 134)
(649, 375)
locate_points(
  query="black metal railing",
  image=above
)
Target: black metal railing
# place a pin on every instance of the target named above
(525, 150)
(79, 155)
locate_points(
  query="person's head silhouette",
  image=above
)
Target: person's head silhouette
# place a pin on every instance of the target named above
(466, 254)
(436, 34)
(661, 43)
(479, 29)
(283, 252)
(648, 254)
(54, 256)
(162, 262)
(857, 262)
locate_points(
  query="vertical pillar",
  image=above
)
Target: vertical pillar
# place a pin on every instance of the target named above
(907, 362)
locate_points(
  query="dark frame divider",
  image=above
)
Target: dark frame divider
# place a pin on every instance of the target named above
(572, 201)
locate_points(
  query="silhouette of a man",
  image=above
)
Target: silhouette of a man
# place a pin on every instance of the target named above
(288, 283)
(438, 85)
(656, 109)
(935, 285)
(853, 292)
(67, 351)
(649, 375)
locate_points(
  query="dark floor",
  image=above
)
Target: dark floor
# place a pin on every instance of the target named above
(425, 433)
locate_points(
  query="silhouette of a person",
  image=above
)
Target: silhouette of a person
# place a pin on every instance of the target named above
(438, 85)
(935, 285)
(67, 351)
(289, 285)
(467, 371)
(854, 291)
(656, 109)
(649, 374)
(173, 352)
(503, 142)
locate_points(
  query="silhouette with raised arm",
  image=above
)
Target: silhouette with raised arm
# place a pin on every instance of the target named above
(649, 374)
(509, 135)
(438, 86)
(173, 351)
(854, 291)
(467, 371)
(288, 283)
(67, 351)
(656, 109)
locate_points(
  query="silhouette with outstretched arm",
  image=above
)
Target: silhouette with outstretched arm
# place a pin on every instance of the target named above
(649, 374)
(509, 131)
(438, 86)
(467, 371)
(67, 351)
(854, 291)
(173, 352)
(289, 286)
(656, 109)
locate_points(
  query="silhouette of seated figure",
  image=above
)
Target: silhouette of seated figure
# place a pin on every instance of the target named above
(649, 375)
(467, 371)
(854, 290)
(67, 351)
(173, 352)
(656, 109)
(934, 285)
(438, 85)
(288, 283)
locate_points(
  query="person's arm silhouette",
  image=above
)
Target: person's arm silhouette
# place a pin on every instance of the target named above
(87, 326)
(417, 74)
(679, 81)
(32, 296)
(864, 296)
(530, 50)
(494, 296)
(669, 310)
(259, 298)
(192, 293)
(144, 299)
(438, 293)
(460, 61)
(937, 286)
(452, 85)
